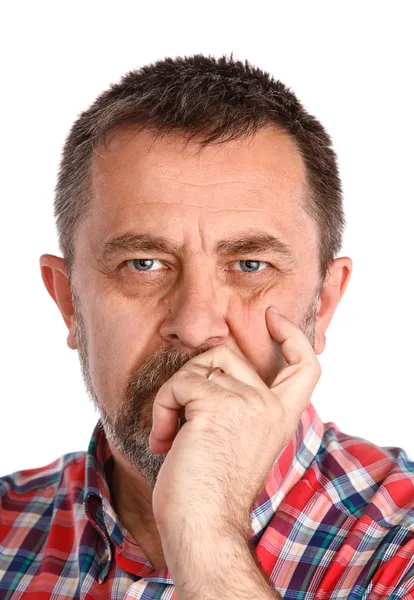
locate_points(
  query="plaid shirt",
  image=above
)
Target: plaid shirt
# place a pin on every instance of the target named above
(334, 520)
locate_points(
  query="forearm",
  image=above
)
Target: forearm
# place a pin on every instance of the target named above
(223, 569)
(242, 581)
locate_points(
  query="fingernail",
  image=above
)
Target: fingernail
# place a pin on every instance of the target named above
(275, 310)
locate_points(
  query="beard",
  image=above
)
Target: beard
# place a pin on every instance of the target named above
(129, 428)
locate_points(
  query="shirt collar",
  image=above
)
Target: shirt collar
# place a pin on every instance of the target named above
(288, 468)
(99, 461)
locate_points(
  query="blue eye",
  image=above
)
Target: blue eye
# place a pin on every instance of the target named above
(251, 266)
(149, 264)
(143, 264)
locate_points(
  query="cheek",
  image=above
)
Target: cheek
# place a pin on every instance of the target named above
(117, 336)
(247, 321)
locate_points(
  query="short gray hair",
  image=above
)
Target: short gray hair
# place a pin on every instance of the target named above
(213, 100)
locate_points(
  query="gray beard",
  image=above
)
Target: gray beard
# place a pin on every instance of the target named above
(128, 429)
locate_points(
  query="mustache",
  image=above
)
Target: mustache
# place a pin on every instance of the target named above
(156, 369)
(159, 367)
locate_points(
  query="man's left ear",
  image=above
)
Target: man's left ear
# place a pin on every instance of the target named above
(336, 282)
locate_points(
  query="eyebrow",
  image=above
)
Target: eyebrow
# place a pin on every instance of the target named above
(244, 243)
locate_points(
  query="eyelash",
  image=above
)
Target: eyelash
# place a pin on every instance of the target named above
(238, 271)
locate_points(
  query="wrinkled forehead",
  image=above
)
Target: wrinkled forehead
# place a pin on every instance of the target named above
(270, 157)
(138, 178)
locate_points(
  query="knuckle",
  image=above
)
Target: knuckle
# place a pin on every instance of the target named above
(185, 371)
(313, 364)
(317, 367)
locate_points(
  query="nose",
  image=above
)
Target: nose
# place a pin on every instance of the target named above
(197, 314)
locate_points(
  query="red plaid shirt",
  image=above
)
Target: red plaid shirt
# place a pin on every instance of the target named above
(334, 520)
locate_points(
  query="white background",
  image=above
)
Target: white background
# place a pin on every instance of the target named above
(351, 64)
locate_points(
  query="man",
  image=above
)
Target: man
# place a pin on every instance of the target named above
(199, 214)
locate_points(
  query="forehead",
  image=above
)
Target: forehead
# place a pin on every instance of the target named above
(139, 181)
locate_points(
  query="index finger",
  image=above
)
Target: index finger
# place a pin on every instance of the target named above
(295, 383)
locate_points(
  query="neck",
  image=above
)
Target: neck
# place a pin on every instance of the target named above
(131, 494)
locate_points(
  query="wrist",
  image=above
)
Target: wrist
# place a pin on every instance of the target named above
(204, 567)
(192, 545)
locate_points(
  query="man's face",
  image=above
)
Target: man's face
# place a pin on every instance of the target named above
(142, 311)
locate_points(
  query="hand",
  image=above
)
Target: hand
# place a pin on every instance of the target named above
(219, 461)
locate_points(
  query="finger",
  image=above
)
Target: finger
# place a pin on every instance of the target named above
(295, 383)
(183, 388)
(231, 363)
(295, 345)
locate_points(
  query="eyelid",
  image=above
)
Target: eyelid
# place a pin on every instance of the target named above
(265, 262)
(125, 263)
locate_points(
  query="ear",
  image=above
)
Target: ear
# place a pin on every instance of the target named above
(336, 282)
(54, 275)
